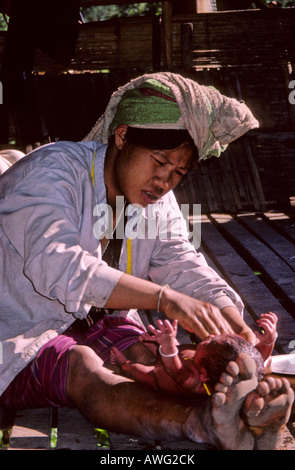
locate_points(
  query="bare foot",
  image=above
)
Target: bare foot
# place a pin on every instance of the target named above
(267, 410)
(227, 400)
(117, 358)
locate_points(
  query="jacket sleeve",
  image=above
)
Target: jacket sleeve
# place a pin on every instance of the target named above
(48, 219)
(176, 262)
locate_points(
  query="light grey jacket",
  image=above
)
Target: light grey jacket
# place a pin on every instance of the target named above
(51, 268)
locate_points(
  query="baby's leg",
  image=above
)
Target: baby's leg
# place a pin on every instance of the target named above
(267, 410)
(138, 372)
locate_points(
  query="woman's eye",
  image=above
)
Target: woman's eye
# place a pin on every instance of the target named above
(159, 162)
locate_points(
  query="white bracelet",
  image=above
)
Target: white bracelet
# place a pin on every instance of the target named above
(270, 344)
(167, 355)
(160, 296)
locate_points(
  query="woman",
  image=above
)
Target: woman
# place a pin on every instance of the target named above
(60, 281)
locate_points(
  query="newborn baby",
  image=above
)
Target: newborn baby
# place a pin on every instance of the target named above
(190, 369)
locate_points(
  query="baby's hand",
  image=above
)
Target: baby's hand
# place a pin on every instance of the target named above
(166, 334)
(268, 323)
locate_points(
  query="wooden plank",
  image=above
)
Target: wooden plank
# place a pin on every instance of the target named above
(126, 442)
(31, 429)
(240, 275)
(282, 222)
(276, 242)
(279, 274)
(74, 432)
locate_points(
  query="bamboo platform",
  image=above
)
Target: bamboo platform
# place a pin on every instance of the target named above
(255, 253)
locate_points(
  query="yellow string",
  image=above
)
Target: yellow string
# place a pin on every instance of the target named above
(207, 389)
(129, 250)
(129, 257)
(92, 169)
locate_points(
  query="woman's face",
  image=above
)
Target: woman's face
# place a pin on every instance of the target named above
(143, 175)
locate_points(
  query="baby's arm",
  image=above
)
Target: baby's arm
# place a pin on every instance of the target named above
(166, 338)
(268, 322)
(134, 370)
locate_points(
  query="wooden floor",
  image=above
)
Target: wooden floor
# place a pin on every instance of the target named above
(255, 253)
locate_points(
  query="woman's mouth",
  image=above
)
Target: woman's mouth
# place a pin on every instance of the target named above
(150, 197)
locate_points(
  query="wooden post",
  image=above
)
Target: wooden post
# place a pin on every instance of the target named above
(157, 36)
(186, 45)
(167, 36)
(184, 7)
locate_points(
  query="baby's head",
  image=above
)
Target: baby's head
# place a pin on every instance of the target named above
(214, 353)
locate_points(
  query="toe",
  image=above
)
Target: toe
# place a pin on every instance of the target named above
(218, 399)
(226, 379)
(232, 369)
(219, 387)
(247, 366)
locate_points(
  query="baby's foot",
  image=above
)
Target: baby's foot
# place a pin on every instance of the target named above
(117, 358)
(267, 410)
(228, 397)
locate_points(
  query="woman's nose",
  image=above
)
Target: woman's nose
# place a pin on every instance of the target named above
(164, 177)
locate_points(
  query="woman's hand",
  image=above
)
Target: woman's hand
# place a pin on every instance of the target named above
(193, 315)
(196, 316)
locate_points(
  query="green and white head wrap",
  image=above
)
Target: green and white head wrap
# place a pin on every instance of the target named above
(150, 106)
(171, 101)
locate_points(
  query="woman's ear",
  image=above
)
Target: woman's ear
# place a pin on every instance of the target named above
(120, 136)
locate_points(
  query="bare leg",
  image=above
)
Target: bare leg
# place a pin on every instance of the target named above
(227, 400)
(267, 411)
(118, 404)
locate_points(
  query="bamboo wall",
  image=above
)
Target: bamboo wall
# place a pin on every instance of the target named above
(246, 54)
(238, 38)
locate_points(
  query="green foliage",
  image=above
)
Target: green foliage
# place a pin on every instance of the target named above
(3, 24)
(102, 438)
(100, 13)
(53, 438)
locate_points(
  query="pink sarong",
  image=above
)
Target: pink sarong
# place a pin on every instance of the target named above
(43, 381)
